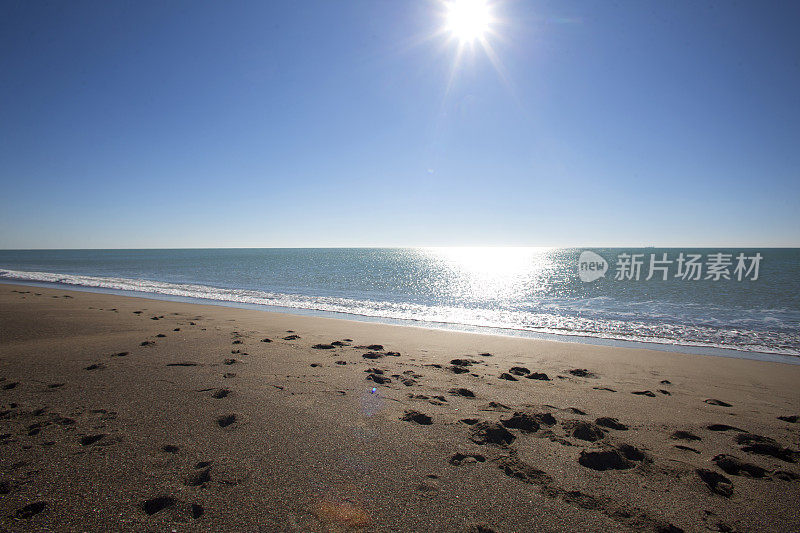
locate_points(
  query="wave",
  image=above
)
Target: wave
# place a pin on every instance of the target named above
(644, 327)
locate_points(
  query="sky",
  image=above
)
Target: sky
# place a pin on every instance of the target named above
(359, 123)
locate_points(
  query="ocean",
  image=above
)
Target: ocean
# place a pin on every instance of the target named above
(537, 292)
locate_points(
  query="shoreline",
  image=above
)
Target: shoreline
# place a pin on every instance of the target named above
(570, 338)
(132, 413)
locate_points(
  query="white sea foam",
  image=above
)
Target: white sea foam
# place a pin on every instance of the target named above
(646, 323)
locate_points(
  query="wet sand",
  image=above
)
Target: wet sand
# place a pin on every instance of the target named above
(122, 413)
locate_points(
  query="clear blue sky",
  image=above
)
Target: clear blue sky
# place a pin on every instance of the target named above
(194, 124)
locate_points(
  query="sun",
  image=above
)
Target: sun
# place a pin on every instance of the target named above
(468, 20)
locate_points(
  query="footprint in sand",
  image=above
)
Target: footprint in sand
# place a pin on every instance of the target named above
(154, 505)
(170, 448)
(716, 482)
(458, 459)
(199, 476)
(611, 423)
(220, 393)
(417, 417)
(584, 431)
(722, 427)
(736, 467)
(648, 393)
(541, 376)
(687, 448)
(514, 467)
(521, 421)
(224, 421)
(582, 373)
(95, 366)
(712, 401)
(684, 435)
(759, 445)
(30, 510)
(624, 457)
(379, 379)
(88, 440)
(490, 433)
(466, 393)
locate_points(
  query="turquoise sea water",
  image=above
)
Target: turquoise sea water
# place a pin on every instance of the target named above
(513, 290)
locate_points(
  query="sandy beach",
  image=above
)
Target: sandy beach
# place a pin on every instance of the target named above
(123, 413)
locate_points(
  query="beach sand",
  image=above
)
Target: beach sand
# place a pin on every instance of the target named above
(123, 413)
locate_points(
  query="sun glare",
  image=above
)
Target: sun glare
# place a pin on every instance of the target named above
(468, 20)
